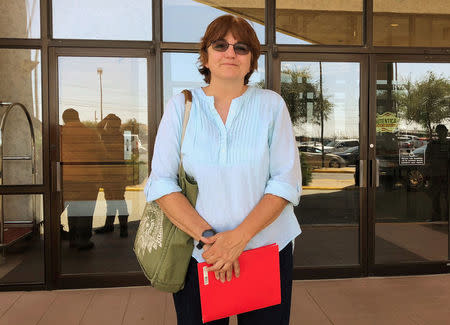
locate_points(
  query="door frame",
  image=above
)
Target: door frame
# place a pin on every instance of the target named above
(88, 280)
(399, 268)
(361, 269)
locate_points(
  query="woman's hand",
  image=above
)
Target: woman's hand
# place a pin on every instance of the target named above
(223, 252)
(228, 274)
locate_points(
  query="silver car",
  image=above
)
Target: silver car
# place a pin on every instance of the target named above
(313, 156)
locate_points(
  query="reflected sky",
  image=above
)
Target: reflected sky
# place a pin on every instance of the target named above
(341, 88)
(103, 19)
(186, 21)
(181, 72)
(124, 82)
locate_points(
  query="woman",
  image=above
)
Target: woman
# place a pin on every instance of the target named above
(240, 148)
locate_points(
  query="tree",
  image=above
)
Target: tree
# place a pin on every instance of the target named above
(305, 100)
(426, 102)
(298, 92)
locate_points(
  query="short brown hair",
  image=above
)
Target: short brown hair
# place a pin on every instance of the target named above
(241, 30)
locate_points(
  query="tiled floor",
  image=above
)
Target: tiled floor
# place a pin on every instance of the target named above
(416, 300)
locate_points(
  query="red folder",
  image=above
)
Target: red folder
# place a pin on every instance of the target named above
(258, 285)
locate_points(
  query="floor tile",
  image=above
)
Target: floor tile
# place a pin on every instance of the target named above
(68, 308)
(304, 309)
(336, 302)
(432, 315)
(145, 306)
(107, 307)
(171, 316)
(7, 299)
(29, 308)
(384, 319)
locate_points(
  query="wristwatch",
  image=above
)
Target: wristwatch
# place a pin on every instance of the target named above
(207, 233)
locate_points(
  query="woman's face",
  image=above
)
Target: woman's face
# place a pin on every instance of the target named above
(228, 66)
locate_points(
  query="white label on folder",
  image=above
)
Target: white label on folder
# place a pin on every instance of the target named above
(205, 275)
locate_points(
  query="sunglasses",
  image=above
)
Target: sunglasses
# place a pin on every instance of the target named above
(239, 48)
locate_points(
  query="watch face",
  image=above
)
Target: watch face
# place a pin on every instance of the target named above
(208, 233)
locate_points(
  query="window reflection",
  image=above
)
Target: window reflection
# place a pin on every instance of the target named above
(102, 19)
(413, 152)
(319, 22)
(20, 82)
(20, 19)
(104, 157)
(181, 72)
(323, 102)
(411, 23)
(21, 239)
(178, 16)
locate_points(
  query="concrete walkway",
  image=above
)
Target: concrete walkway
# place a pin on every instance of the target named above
(414, 300)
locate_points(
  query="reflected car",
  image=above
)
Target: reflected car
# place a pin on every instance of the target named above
(341, 145)
(313, 158)
(351, 155)
(410, 141)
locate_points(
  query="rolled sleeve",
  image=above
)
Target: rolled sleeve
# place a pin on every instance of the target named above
(285, 176)
(163, 178)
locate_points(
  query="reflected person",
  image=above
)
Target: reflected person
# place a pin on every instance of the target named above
(81, 147)
(437, 157)
(116, 175)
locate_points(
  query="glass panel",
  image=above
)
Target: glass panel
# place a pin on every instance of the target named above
(193, 16)
(20, 19)
(413, 152)
(21, 239)
(103, 19)
(411, 23)
(323, 101)
(104, 157)
(20, 83)
(321, 22)
(181, 72)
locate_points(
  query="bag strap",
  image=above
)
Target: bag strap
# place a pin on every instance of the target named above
(187, 112)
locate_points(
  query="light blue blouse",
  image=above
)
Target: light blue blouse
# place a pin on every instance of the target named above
(234, 164)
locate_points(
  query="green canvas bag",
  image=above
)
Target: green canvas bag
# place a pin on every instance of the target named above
(163, 250)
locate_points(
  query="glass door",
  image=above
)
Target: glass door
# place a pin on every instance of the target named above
(102, 161)
(411, 168)
(325, 97)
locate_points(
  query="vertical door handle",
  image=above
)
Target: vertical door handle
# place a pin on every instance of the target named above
(374, 179)
(363, 173)
(377, 176)
(58, 176)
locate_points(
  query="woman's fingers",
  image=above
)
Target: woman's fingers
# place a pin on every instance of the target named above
(229, 274)
(216, 266)
(225, 272)
(237, 269)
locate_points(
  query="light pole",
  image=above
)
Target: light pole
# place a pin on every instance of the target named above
(100, 71)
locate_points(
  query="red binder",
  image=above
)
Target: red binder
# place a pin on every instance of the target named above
(258, 285)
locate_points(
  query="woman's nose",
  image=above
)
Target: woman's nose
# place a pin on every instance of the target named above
(230, 51)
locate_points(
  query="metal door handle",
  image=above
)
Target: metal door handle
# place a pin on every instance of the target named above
(58, 176)
(362, 173)
(377, 176)
(374, 163)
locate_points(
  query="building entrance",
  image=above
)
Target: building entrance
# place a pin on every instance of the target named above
(102, 163)
(412, 162)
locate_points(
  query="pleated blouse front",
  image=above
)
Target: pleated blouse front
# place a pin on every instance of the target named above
(234, 164)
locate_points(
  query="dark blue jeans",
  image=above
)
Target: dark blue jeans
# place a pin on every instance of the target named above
(188, 308)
